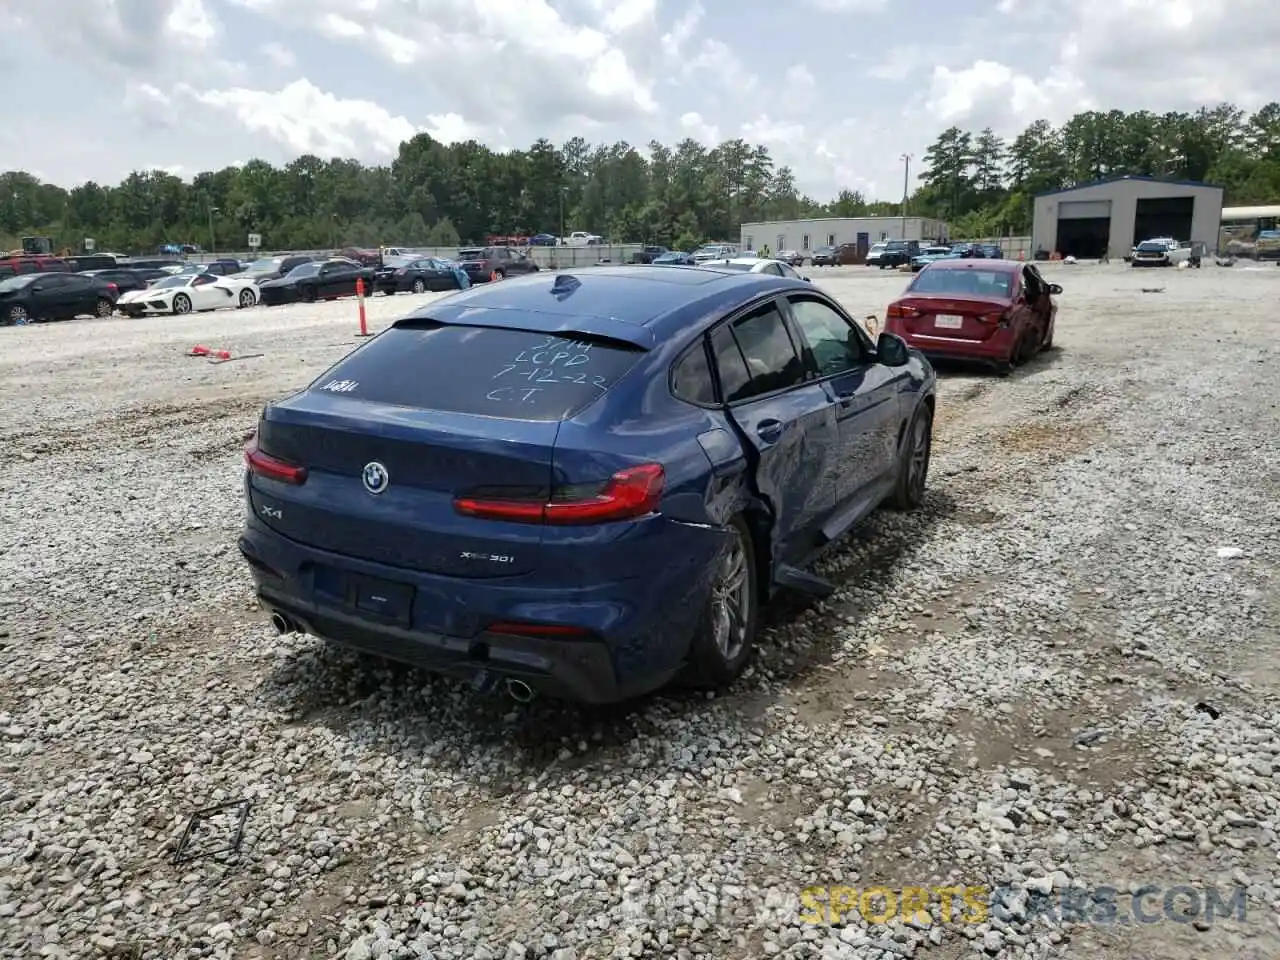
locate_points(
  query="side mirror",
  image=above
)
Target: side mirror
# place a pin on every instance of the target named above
(1055, 289)
(892, 350)
(806, 280)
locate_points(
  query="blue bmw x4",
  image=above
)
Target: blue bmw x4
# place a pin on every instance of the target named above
(582, 485)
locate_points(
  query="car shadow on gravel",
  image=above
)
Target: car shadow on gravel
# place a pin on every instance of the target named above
(400, 709)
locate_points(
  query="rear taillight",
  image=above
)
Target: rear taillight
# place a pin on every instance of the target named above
(273, 468)
(900, 312)
(112, 286)
(993, 317)
(634, 492)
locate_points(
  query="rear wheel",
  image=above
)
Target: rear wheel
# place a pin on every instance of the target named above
(419, 286)
(247, 299)
(725, 638)
(913, 471)
(103, 308)
(181, 304)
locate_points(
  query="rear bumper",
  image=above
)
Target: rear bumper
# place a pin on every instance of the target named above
(644, 625)
(996, 349)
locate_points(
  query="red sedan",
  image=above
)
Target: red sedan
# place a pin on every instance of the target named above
(994, 311)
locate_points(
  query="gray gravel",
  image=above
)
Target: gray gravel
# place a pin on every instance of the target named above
(1061, 675)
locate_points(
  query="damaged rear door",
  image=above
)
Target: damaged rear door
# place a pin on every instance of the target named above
(786, 420)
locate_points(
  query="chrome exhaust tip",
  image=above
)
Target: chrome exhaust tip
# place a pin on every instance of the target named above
(519, 691)
(283, 624)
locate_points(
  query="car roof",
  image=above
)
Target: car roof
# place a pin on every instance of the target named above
(1007, 266)
(636, 304)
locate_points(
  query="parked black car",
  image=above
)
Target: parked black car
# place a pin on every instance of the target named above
(482, 263)
(898, 252)
(648, 254)
(55, 296)
(273, 268)
(127, 279)
(317, 280)
(224, 267)
(416, 276)
(824, 257)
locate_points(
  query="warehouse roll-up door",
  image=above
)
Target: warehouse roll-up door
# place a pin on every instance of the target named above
(1084, 210)
(1084, 228)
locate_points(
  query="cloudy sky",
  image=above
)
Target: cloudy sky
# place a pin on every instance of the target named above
(838, 89)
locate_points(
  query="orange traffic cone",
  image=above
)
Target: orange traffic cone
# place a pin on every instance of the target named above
(199, 350)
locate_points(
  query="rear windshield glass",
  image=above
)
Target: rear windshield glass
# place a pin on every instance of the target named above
(470, 254)
(981, 283)
(512, 374)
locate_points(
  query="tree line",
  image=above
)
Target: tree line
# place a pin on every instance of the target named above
(983, 185)
(679, 195)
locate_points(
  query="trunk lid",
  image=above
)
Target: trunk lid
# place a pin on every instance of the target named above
(965, 318)
(447, 411)
(429, 458)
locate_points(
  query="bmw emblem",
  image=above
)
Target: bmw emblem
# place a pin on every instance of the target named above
(375, 477)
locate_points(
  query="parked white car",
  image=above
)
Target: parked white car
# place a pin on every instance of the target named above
(188, 293)
(873, 254)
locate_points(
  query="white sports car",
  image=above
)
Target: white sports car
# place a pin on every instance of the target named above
(187, 293)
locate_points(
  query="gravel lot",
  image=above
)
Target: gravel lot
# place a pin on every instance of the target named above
(1049, 678)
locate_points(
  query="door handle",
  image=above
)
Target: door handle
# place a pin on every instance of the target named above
(770, 431)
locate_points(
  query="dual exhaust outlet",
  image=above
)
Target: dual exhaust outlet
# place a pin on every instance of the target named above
(517, 690)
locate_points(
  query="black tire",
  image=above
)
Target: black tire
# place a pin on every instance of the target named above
(502, 274)
(716, 657)
(913, 470)
(18, 316)
(246, 299)
(307, 294)
(181, 304)
(419, 285)
(103, 308)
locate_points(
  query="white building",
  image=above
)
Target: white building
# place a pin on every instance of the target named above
(1114, 215)
(808, 235)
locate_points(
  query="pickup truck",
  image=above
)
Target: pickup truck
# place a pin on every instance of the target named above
(580, 238)
(898, 252)
(1161, 252)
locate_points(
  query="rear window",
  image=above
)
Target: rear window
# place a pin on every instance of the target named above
(470, 254)
(980, 283)
(513, 374)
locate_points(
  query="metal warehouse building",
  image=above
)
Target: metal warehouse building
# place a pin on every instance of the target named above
(1114, 215)
(808, 235)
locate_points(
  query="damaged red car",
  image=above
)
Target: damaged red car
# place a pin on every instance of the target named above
(998, 312)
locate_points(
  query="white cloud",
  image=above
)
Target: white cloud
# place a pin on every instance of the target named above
(693, 125)
(800, 77)
(279, 54)
(683, 30)
(305, 119)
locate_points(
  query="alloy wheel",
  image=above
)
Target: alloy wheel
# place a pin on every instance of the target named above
(918, 468)
(731, 601)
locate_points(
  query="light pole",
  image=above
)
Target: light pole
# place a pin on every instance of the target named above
(563, 189)
(906, 187)
(213, 243)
